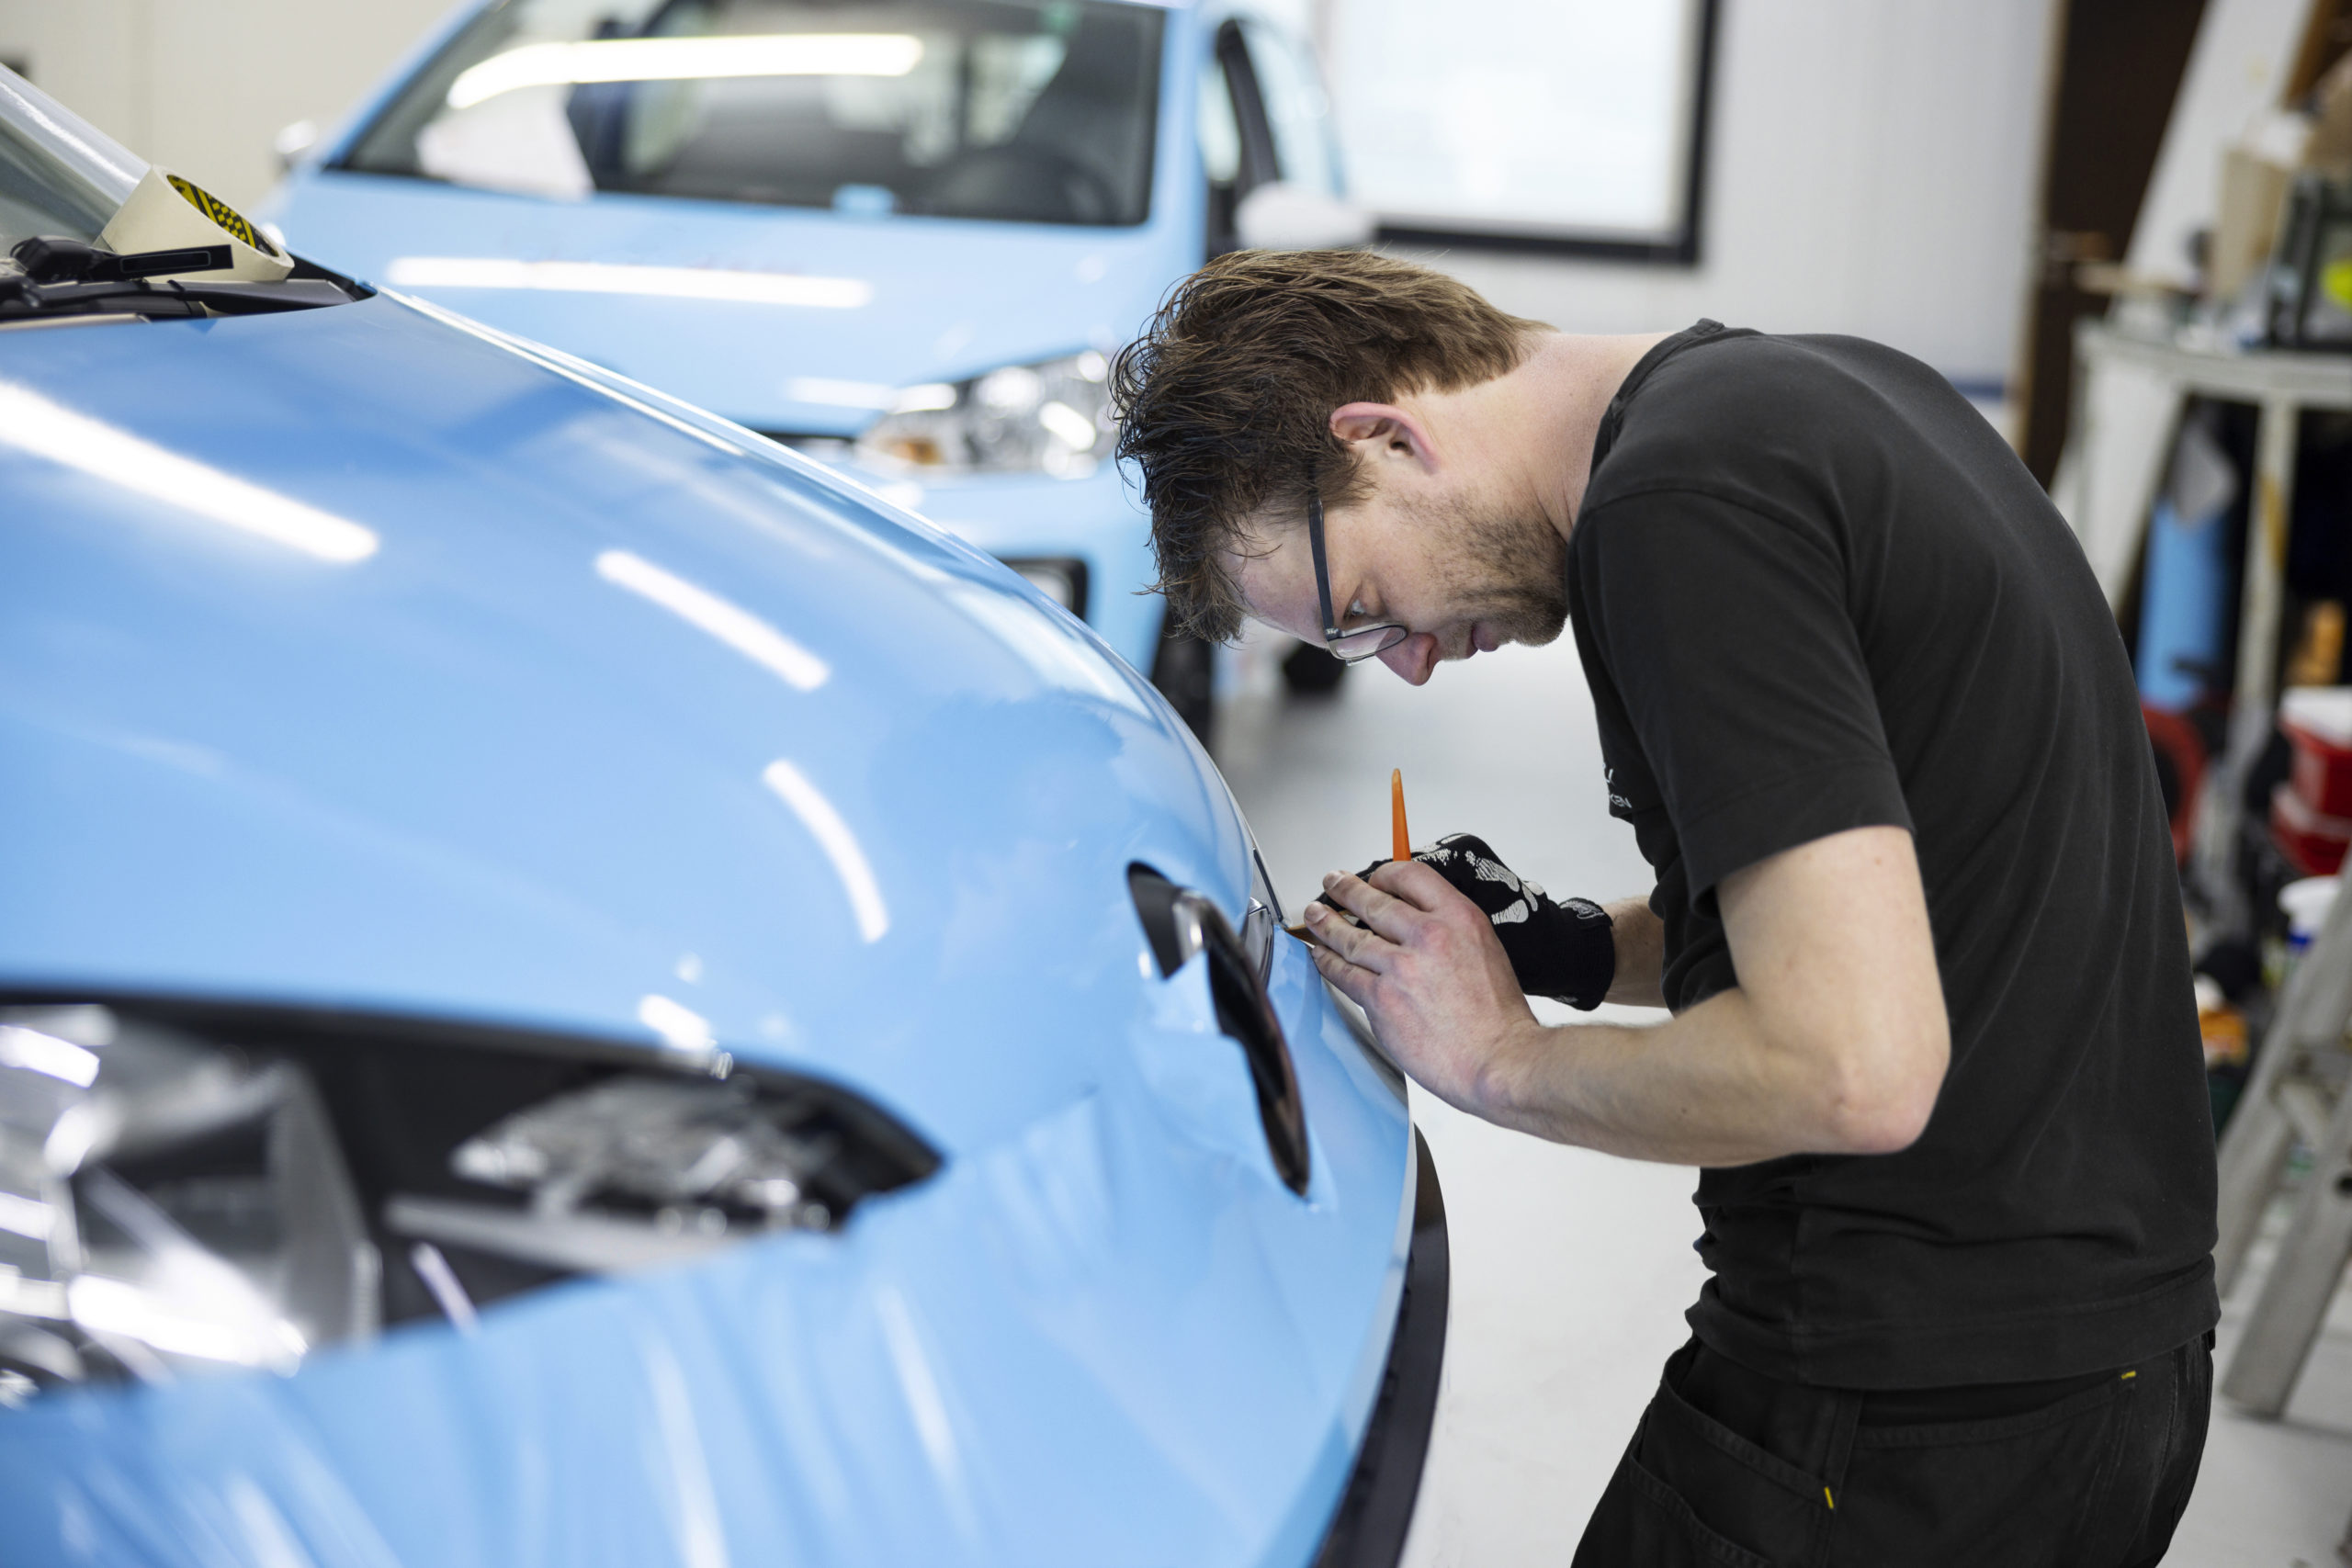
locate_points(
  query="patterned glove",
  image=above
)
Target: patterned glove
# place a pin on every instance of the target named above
(1563, 949)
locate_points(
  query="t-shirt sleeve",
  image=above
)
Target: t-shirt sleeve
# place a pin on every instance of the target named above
(1726, 634)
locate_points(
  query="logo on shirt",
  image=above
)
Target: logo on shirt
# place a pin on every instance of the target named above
(1616, 802)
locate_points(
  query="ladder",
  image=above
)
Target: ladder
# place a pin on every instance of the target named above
(2297, 1092)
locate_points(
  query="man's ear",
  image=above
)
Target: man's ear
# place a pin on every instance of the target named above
(1384, 430)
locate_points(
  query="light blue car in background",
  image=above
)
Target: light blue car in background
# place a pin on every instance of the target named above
(576, 989)
(904, 236)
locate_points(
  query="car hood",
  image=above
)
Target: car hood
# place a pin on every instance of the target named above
(357, 657)
(908, 299)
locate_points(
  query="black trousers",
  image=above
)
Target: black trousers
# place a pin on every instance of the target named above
(1735, 1470)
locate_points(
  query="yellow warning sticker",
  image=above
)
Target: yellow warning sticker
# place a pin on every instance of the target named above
(227, 217)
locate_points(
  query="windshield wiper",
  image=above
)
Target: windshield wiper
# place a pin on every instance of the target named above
(69, 277)
(22, 296)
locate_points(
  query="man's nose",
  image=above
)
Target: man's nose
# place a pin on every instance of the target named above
(1414, 659)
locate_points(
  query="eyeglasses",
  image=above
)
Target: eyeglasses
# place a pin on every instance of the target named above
(1364, 642)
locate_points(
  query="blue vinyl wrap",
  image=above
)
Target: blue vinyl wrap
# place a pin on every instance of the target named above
(474, 777)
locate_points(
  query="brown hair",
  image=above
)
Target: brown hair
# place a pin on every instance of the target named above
(1225, 403)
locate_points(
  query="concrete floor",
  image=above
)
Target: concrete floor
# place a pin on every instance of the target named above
(1571, 1270)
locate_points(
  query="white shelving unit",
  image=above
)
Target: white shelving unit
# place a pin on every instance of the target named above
(2128, 397)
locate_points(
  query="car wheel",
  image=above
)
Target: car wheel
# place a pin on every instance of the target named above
(1185, 671)
(1311, 671)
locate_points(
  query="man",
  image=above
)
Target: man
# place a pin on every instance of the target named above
(1915, 916)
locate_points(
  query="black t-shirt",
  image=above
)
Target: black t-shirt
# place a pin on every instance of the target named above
(1813, 590)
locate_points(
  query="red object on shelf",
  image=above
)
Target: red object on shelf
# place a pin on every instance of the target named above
(2323, 771)
(2314, 841)
(2177, 741)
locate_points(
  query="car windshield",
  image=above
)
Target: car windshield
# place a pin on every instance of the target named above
(58, 175)
(1027, 113)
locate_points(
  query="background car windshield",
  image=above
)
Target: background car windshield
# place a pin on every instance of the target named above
(1027, 113)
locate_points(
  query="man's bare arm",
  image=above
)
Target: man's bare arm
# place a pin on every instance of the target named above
(1834, 1041)
(1640, 937)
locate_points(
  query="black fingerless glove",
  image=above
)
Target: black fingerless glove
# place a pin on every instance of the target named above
(1563, 949)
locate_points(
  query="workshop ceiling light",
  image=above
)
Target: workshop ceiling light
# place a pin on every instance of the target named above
(41, 1053)
(33, 424)
(680, 1027)
(877, 395)
(928, 398)
(730, 624)
(841, 846)
(686, 59)
(1075, 429)
(606, 277)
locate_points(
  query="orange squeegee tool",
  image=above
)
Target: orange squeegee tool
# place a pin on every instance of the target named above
(1400, 841)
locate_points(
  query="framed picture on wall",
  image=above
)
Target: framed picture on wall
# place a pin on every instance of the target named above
(1567, 126)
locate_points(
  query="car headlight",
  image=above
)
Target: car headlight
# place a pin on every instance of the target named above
(162, 1205)
(1052, 417)
(231, 1187)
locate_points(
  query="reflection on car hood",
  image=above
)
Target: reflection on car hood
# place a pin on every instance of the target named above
(906, 300)
(353, 658)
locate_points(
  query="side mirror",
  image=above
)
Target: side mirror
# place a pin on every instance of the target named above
(290, 143)
(1284, 217)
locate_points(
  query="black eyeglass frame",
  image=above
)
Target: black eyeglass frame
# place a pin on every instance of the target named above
(1333, 637)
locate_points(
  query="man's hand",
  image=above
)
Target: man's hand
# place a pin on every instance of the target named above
(1559, 948)
(1427, 968)
(1835, 1040)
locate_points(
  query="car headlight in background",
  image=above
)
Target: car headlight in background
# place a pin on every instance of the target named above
(228, 1187)
(1052, 417)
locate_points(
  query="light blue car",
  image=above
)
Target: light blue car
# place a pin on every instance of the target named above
(902, 235)
(576, 990)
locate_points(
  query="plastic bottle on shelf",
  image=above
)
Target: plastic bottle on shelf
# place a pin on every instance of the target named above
(2305, 904)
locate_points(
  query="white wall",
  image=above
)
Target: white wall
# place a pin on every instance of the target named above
(1873, 170)
(202, 85)
(2244, 53)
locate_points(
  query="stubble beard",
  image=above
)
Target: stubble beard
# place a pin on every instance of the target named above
(1506, 573)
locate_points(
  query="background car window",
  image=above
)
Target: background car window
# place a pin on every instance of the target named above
(1024, 112)
(1220, 133)
(1298, 111)
(1237, 149)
